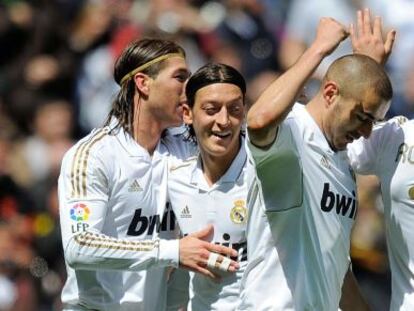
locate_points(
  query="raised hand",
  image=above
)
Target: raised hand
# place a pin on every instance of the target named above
(367, 37)
(329, 35)
(203, 257)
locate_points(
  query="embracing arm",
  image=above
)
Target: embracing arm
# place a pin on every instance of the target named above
(276, 101)
(84, 208)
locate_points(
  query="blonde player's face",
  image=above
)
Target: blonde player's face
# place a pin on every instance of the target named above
(167, 95)
(353, 118)
(217, 117)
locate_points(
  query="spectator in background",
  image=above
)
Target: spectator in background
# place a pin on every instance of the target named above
(41, 153)
(18, 290)
(35, 164)
(409, 91)
(96, 29)
(244, 31)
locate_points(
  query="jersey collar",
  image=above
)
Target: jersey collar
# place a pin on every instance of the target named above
(314, 136)
(131, 147)
(231, 175)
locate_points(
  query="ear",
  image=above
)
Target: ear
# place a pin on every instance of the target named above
(330, 92)
(187, 114)
(142, 82)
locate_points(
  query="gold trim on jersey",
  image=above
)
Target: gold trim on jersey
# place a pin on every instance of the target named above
(80, 163)
(185, 163)
(94, 240)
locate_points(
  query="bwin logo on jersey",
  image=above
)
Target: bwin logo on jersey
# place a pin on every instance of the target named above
(342, 203)
(240, 247)
(141, 224)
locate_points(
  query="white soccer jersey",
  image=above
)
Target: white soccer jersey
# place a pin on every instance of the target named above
(196, 205)
(389, 154)
(301, 210)
(112, 197)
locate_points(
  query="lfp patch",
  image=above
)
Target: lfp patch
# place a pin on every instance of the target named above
(79, 212)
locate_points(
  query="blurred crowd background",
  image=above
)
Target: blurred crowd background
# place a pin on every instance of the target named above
(56, 63)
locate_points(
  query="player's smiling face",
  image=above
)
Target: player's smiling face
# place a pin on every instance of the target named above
(217, 117)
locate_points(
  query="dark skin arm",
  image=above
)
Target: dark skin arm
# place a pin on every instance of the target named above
(352, 299)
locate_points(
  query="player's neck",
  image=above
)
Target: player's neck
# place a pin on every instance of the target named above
(315, 111)
(147, 130)
(215, 167)
(213, 171)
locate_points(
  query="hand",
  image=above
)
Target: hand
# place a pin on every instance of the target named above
(367, 39)
(195, 253)
(329, 35)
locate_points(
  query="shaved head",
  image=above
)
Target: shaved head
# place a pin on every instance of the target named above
(357, 74)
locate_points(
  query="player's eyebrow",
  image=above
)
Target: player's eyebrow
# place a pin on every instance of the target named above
(370, 116)
(183, 71)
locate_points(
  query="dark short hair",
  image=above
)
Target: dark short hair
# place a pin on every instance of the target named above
(356, 73)
(210, 74)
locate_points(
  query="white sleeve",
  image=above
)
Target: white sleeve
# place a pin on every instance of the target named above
(284, 143)
(362, 155)
(279, 170)
(84, 208)
(366, 155)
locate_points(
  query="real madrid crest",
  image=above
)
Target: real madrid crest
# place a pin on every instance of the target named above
(238, 213)
(411, 193)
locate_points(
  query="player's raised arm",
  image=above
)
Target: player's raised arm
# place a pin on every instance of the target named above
(277, 100)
